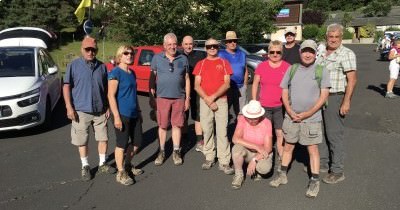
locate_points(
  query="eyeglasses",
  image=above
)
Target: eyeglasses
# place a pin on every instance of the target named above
(230, 41)
(275, 52)
(90, 49)
(211, 46)
(128, 53)
(171, 67)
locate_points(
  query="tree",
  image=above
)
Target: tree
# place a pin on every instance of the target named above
(314, 17)
(378, 8)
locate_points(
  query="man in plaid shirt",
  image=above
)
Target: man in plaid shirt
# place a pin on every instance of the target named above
(340, 61)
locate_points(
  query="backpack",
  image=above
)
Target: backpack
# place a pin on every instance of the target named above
(318, 75)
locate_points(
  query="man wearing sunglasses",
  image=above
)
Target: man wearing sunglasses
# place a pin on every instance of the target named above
(291, 50)
(170, 80)
(237, 58)
(85, 96)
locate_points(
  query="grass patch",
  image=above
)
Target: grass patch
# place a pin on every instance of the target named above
(66, 53)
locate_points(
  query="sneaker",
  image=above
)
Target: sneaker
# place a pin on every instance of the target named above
(135, 171)
(123, 178)
(106, 169)
(313, 188)
(207, 165)
(333, 178)
(390, 95)
(257, 177)
(85, 172)
(160, 158)
(279, 179)
(237, 181)
(226, 169)
(321, 169)
(176, 156)
(199, 146)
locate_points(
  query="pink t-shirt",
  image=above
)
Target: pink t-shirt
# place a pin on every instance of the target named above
(270, 80)
(254, 134)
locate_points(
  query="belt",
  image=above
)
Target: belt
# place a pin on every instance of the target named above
(337, 93)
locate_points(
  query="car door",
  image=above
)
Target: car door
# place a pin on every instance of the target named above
(52, 81)
(142, 69)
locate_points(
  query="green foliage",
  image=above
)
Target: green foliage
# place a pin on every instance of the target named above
(378, 35)
(367, 31)
(310, 31)
(378, 8)
(347, 18)
(347, 34)
(392, 29)
(321, 33)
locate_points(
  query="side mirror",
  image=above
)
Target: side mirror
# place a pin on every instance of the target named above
(52, 70)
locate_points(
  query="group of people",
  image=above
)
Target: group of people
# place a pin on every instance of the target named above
(287, 96)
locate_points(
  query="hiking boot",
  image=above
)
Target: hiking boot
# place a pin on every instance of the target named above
(313, 188)
(321, 169)
(106, 169)
(160, 158)
(176, 156)
(333, 178)
(237, 181)
(123, 178)
(199, 146)
(226, 169)
(135, 171)
(257, 177)
(279, 179)
(390, 95)
(85, 172)
(207, 165)
(278, 162)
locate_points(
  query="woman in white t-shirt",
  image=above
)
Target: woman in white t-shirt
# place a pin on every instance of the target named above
(394, 57)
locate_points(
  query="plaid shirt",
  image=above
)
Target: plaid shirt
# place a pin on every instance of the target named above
(338, 63)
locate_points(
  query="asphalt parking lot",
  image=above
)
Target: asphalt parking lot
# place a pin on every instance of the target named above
(41, 169)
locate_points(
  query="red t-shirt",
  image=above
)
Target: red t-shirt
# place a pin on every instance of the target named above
(212, 74)
(270, 80)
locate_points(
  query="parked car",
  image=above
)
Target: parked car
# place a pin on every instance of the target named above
(30, 81)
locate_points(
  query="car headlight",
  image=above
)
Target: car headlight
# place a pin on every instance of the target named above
(37, 90)
(31, 100)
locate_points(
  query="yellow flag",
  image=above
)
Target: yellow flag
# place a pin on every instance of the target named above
(80, 11)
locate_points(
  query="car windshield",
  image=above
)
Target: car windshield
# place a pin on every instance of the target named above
(17, 62)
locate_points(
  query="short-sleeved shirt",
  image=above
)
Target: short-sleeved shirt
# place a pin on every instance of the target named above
(238, 64)
(304, 90)
(88, 83)
(291, 55)
(270, 80)
(170, 75)
(126, 92)
(338, 63)
(193, 58)
(212, 74)
(254, 134)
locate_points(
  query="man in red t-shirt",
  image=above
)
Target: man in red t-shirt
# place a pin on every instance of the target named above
(212, 79)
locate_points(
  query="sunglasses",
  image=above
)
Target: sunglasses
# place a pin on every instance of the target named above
(230, 41)
(275, 52)
(171, 67)
(128, 53)
(211, 46)
(91, 49)
(289, 34)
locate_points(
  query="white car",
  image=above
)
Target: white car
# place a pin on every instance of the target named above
(30, 81)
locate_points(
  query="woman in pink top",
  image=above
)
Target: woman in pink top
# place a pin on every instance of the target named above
(269, 75)
(253, 143)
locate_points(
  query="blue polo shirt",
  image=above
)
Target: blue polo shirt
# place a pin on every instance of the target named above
(238, 63)
(170, 75)
(126, 92)
(88, 83)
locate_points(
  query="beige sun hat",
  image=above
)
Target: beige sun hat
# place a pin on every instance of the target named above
(231, 35)
(253, 110)
(290, 29)
(309, 44)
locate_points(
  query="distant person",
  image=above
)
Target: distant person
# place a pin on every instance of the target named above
(269, 75)
(394, 57)
(173, 95)
(237, 93)
(126, 112)
(291, 50)
(212, 79)
(341, 63)
(85, 89)
(253, 143)
(193, 58)
(303, 96)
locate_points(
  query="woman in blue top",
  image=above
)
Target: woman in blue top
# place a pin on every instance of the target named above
(124, 106)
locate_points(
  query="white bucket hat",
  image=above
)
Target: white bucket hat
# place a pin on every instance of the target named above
(253, 110)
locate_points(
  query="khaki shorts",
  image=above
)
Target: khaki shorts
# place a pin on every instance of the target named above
(263, 166)
(80, 129)
(306, 133)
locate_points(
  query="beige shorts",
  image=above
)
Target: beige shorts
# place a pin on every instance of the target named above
(263, 166)
(80, 129)
(306, 133)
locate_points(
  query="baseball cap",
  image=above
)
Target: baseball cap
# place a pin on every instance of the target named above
(309, 44)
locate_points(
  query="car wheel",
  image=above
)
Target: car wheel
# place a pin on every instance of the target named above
(250, 75)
